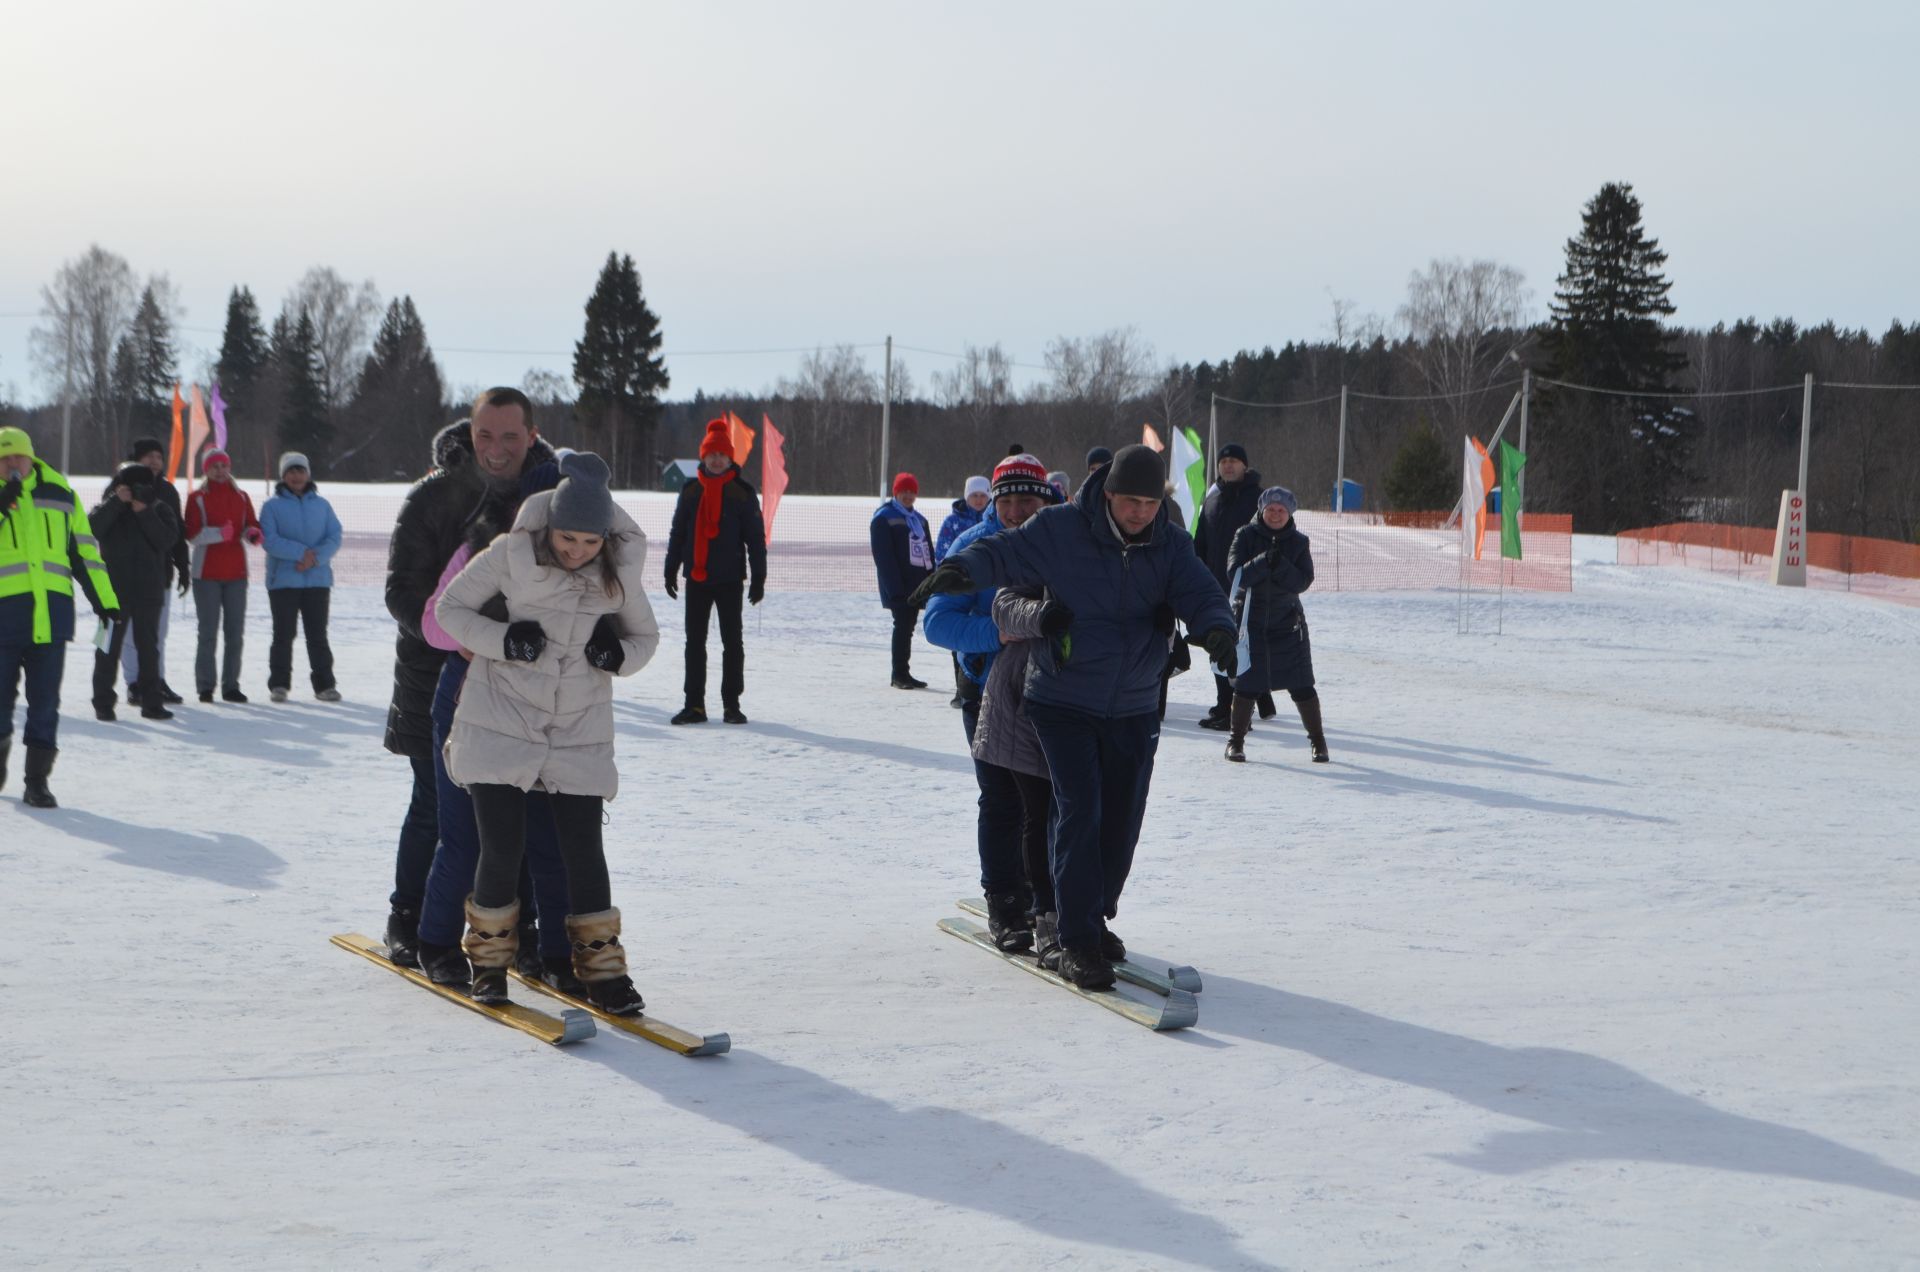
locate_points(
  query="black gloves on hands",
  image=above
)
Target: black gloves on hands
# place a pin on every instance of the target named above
(673, 586)
(1055, 619)
(109, 615)
(1163, 619)
(604, 649)
(1221, 645)
(9, 494)
(186, 582)
(524, 641)
(756, 591)
(951, 576)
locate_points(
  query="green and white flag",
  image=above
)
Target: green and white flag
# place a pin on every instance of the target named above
(1511, 462)
(1189, 475)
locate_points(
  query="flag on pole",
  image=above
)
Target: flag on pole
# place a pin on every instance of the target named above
(219, 406)
(773, 471)
(1150, 438)
(1189, 474)
(178, 448)
(1477, 477)
(1511, 462)
(196, 430)
(742, 438)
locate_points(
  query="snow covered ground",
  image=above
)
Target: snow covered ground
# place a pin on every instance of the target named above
(1595, 946)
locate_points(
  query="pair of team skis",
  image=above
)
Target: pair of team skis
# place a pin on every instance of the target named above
(575, 1023)
(1170, 1005)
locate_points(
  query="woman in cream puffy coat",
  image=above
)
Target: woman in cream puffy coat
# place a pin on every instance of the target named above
(537, 710)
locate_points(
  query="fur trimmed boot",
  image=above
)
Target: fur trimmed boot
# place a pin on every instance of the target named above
(600, 961)
(493, 935)
(1238, 724)
(1310, 716)
(39, 768)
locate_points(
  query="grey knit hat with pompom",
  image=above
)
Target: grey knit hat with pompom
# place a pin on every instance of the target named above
(581, 502)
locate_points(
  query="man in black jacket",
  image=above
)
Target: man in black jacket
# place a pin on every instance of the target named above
(137, 532)
(719, 543)
(1231, 503)
(477, 468)
(149, 452)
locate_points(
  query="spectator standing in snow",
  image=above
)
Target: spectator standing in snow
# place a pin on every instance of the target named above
(149, 452)
(137, 535)
(475, 462)
(902, 558)
(537, 711)
(46, 547)
(1229, 505)
(966, 514)
(220, 521)
(719, 544)
(1109, 560)
(1271, 559)
(301, 536)
(1012, 826)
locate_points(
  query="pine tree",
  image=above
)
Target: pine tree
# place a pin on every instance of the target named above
(399, 403)
(1615, 462)
(1423, 478)
(243, 348)
(144, 369)
(620, 373)
(304, 425)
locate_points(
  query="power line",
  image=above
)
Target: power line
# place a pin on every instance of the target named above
(1277, 405)
(1669, 395)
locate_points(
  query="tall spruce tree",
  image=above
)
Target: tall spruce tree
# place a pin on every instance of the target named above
(400, 401)
(304, 425)
(144, 369)
(1615, 462)
(617, 365)
(243, 348)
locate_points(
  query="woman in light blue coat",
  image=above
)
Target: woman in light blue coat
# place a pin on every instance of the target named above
(301, 536)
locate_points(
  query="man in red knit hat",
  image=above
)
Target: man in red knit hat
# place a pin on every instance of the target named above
(902, 557)
(719, 545)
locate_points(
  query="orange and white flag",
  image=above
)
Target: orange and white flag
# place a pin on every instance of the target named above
(1477, 480)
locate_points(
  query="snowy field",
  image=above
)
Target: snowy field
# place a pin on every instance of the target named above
(1594, 946)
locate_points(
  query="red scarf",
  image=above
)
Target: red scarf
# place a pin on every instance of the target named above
(707, 524)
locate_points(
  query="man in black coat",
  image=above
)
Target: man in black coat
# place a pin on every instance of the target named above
(478, 467)
(149, 452)
(719, 544)
(1230, 504)
(137, 532)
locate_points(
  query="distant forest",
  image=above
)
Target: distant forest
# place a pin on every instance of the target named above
(1671, 423)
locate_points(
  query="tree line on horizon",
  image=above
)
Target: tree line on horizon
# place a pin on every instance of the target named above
(363, 398)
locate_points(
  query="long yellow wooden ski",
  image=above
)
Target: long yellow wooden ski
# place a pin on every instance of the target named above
(570, 1026)
(653, 1029)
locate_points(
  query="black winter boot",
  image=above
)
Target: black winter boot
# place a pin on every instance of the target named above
(1310, 716)
(616, 997)
(1112, 948)
(690, 715)
(39, 767)
(1046, 941)
(558, 973)
(403, 936)
(1082, 965)
(1238, 724)
(444, 965)
(526, 959)
(6, 744)
(1008, 922)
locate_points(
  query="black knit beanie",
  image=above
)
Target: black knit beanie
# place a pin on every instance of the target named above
(1137, 470)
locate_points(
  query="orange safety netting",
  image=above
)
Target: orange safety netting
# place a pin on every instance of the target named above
(1845, 562)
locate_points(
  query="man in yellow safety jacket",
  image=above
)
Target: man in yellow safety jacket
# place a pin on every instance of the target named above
(45, 546)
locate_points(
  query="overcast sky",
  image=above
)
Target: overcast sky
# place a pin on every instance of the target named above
(796, 174)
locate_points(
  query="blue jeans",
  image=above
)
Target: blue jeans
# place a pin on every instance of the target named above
(1001, 869)
(443, 915)
(1101, 770)
(44, 665)
(222, 609)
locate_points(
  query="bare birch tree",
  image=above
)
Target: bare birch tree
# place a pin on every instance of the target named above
(343, 316)
(1463, 319)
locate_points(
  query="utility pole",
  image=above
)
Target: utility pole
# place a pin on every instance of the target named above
(1340, 465)
(886, 422)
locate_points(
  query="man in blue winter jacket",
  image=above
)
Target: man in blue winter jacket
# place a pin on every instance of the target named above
(1118, 571)
(902, 559)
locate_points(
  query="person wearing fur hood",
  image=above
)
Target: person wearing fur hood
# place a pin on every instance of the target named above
(537, 712)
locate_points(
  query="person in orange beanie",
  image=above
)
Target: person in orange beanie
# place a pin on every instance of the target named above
(719, 546)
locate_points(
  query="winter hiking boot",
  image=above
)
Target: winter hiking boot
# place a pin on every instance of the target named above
(168, 696)
(1081, 965)
(1240, 719)
(1112, 948)
(327, 695)
(600, 961)
(907, 682)
(733, 715)
(1008, 922)
(558, 973)
(39, 767)
(445, 965)
(492, 938)
(206, 695)
(103, 711)
(403, 936)
(232, 695)
(1216, 720)
(1317, 736)
(151, 708)
(690, 715)
(276, 694)
(1046, 941)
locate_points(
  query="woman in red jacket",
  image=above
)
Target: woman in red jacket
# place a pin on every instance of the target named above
(219, 520)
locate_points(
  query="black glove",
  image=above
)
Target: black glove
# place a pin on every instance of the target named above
(1055, 619)
(950, 577)
(756, 591)
(1222, 645)
(673, 586)
(604, 649)
(525, 639)
(109, 615)
(186, 583)
(1163, 619)
(9, 494)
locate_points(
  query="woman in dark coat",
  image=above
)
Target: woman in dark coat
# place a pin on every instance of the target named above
(1268, 567)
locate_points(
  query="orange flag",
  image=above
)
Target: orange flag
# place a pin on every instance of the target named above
(179, 447)
(741, 437)
(1150, 438)
(773, 471)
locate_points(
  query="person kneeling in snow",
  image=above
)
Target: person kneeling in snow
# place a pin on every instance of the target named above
(537, 711)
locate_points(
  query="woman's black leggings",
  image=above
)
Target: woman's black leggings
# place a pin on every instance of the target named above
(500, 816)
(1036, 799)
